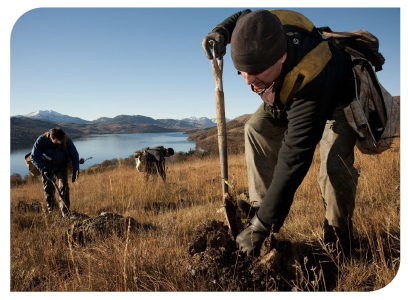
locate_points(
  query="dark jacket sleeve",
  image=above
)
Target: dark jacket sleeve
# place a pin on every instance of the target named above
(73, 154)
(307, 117)
(37, 152)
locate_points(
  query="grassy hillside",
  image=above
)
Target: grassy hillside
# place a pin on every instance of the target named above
(208, 138)
(157, 259)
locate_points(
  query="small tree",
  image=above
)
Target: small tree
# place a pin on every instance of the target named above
(106, 163)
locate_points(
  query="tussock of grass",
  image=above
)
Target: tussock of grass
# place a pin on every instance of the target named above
(156, 260)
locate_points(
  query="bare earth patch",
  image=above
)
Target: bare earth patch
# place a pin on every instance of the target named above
(215, 258)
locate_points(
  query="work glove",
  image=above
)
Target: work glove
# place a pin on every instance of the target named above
(252, 237)
(75, 175)
(219, 37)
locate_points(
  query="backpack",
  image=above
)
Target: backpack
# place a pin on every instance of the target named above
(374, 114)
(145, 162)
(32, 169)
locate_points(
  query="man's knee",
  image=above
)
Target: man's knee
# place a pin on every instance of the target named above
(251, 126)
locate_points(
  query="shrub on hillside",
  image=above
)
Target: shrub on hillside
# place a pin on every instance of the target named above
(16, 179)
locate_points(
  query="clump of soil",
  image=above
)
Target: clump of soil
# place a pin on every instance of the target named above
(87, 229)
(26, 214)
(215, 258)
(23, 207)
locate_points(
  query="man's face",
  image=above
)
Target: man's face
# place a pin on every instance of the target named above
(266, 78)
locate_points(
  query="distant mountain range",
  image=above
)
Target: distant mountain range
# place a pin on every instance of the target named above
(55, 117)
(26, 128)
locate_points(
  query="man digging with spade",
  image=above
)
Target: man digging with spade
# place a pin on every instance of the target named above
(50, 155)
(281, 136)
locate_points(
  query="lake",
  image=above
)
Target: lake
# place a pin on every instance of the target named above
(109, 146)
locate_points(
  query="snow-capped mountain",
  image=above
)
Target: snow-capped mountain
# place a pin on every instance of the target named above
(215, 120)
(203, 121)
(55, 117)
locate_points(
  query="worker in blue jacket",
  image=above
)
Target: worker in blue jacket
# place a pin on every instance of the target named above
(51, 154)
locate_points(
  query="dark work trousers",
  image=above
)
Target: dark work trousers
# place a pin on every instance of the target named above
(49, 190)
(337, 178)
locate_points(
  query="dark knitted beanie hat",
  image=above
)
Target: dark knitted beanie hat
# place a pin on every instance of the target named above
(257, 42)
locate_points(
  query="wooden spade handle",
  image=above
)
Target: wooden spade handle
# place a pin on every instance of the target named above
(221, 124)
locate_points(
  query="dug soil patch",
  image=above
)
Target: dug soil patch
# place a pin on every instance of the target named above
(86, 229)
(215, 260)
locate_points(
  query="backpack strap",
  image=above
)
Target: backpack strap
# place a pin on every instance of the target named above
(308, 68)
(65, 142)
(311, 64)
(292, 18)
(46, 134)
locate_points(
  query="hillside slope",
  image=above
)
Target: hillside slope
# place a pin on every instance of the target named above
(157, 256)
(207, 139)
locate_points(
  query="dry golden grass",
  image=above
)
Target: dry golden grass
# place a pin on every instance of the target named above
(155, 260)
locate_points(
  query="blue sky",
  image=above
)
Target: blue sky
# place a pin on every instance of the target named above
(104, 62)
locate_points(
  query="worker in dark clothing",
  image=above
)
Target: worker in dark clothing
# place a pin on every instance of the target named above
(51, 154)
(151, 161)
(305, 83)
